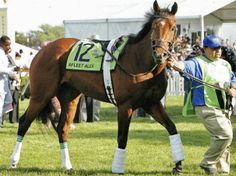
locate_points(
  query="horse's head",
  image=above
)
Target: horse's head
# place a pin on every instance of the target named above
(163, 32)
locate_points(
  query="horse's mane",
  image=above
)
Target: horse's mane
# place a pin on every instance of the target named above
(150, 16)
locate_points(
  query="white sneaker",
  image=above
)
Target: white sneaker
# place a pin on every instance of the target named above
(72, 126)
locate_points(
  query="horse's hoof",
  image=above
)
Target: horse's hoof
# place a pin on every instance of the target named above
(12, 166)
(70, 171)
(119, 173)
(176, 170)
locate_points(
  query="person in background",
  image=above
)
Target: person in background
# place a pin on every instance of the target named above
(234, 47)
(15, 88)
(211, 105)
(6, 72)
(229, 55)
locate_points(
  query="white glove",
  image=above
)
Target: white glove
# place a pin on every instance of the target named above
(13, 75)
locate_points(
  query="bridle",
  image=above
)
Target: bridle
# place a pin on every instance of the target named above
(155, 70)
(160, 43)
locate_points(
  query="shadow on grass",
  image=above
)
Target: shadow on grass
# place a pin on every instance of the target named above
(109, 114)
(198, 137)
(27, 171)
(82, 172)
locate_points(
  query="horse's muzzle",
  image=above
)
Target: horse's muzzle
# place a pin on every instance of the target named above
(160, 50)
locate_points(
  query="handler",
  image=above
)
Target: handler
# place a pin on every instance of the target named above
(211, 104)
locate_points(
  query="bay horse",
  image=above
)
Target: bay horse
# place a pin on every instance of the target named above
(139, 81)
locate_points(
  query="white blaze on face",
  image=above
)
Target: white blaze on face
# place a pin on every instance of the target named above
(162, 23)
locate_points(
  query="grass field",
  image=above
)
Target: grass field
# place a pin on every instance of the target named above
(92, 146)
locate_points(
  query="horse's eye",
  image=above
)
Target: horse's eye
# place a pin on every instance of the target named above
(173, 29)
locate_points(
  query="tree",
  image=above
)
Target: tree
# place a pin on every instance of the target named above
(35, 38)
(21, 38)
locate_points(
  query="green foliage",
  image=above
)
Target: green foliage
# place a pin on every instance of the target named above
(24, 81)
(92, 146)
(21, 38)
(45, 33)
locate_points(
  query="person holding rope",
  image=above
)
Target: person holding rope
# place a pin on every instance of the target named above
(213, 84)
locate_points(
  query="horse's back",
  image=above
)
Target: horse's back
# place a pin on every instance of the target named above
(46, 66)
(47, 58)
(53, 50)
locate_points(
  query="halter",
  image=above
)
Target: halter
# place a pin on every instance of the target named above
(160, 43)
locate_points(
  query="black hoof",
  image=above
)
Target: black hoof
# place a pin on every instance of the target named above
(70, 172)
(176, 170)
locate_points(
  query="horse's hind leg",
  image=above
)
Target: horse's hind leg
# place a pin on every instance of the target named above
(158, 113)
(24, 123)
(69, 100)
(124, 118)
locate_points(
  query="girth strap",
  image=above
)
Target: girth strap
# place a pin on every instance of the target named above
(107, 74)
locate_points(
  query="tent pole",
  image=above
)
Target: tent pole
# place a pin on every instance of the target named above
(202, 29)
(107, 21)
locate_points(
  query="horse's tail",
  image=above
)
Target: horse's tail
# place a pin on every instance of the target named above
(47, 115)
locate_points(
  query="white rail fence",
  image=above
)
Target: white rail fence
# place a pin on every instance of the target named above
(175, 85)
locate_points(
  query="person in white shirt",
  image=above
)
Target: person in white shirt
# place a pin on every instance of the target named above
(5, 73)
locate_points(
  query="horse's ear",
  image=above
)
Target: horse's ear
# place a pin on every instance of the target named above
(156, 7)
(174, 9)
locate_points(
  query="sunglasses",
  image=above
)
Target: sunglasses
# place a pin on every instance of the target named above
(216, 48)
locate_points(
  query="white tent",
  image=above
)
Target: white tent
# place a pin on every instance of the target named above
(198, 8)
(28, 55)
(27, 50)
(124, 17)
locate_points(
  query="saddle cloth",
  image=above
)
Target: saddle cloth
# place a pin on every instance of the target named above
(88, 55)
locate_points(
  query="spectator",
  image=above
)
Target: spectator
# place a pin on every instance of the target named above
(234, 47)
(5, 73)
(23, 62)
(88, 109)
(15, 88)
(229, 55)
(210, 104)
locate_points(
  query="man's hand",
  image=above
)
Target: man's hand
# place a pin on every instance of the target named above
(17, 69)
(171, 61)
(174, 63)
(231, 92)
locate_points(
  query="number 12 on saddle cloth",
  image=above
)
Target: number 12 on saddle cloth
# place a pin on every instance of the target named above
(87, 55)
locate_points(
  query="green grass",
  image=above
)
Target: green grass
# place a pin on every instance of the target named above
(92, 146)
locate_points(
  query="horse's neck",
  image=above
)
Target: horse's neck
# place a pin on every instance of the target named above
(142, 54)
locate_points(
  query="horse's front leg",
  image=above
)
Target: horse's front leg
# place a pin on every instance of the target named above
(124, 118)
(158, 113)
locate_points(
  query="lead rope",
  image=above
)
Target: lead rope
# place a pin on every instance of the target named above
(193, 77)
(229, 106)
(199, 80)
